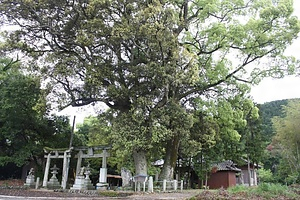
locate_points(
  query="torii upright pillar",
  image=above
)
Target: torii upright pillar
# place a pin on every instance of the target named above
(103, 171)
(47, 170)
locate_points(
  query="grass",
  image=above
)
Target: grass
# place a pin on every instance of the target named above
(109, 193)
(265, 190)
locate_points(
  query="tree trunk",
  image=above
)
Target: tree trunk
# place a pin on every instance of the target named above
(167, 171)
(249, 172)
(140, 162)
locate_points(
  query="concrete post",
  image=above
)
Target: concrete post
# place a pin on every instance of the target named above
(175, 185)
(37, 182)
(164, 185)
(181, 185)
(150, 184)
(47, 170)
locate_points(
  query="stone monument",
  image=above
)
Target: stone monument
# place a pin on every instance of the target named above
(79, 180)
(30, 179)
(126, 177)
(53, 182)
(87, 181)
(82, 180)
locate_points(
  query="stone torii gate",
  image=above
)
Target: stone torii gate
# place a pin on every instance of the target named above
(62, 154)
(89, 152)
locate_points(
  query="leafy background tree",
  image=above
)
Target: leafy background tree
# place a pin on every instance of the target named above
(20, 121)
(26, 125)
(287, 140)
(267, 111)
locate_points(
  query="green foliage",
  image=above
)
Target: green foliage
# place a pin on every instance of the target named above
(264, 190)
(95, 131)
(98, 131)
(25, 127)
(273, 189)
(223, 130)
(265, 176)
(267, 112)
(272, 157)
(287, 141)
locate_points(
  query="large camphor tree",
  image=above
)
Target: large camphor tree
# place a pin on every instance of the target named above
(149, 60)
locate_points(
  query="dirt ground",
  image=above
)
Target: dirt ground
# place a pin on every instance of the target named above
(50, 194)
(13, 189)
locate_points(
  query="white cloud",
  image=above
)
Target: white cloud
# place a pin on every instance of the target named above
(285, 88)
(276, 89)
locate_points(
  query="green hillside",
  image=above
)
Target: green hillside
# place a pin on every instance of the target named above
(267, 112)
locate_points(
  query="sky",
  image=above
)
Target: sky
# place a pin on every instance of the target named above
(268, 90)
(286, 88)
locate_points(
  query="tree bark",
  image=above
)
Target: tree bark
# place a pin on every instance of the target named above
(167, 171)
(140, 162)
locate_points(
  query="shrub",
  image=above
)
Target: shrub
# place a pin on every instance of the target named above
(265, 176)
(271, 190)
(238, 188)
(263, 190)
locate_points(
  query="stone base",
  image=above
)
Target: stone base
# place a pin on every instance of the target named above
(30, 182)
(102, 186)
(82, 184)
(30, 185)
(89, 184)
(53, 184)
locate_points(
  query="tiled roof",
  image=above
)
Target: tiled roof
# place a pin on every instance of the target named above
(227, 165)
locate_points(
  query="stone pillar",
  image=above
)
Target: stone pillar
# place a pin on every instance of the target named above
(103, 172)
(164, 185)
(65, 171)
(46, 170)
(175, 184)
(150, 184)
(79, 160)
(37, 183)
(103, 175)
(104, 164)
(181, 185)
